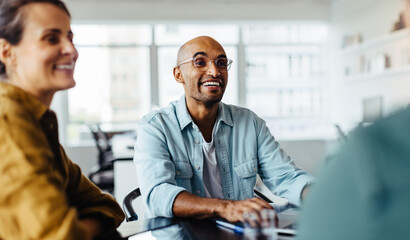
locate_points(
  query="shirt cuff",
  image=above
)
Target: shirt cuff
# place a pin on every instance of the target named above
(295, 195)
(165, 200)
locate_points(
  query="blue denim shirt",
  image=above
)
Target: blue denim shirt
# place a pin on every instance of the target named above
(169, 158)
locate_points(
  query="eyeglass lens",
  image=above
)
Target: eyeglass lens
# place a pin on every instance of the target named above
(203, 63)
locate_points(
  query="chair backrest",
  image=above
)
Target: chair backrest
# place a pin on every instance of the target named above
(341, 135)
(105, 154)
(130, 214)
(102, 174)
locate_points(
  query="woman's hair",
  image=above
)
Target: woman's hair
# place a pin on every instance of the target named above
(12, 21)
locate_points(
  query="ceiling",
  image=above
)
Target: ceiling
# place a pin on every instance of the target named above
(208, 2)
(198, 10)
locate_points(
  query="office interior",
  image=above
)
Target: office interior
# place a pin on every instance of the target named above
(315, 70)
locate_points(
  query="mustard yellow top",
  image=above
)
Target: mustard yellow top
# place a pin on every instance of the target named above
(43, 194)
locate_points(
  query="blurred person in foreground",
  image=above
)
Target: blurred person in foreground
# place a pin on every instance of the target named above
(364, 192)
(44, 195)
(199, 157)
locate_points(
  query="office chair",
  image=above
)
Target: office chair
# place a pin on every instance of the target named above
(102, 174)
(129, 211)
(341, 135)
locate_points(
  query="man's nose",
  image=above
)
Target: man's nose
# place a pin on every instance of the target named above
(213, 70)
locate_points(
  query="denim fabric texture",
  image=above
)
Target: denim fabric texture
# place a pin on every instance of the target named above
(169, 158)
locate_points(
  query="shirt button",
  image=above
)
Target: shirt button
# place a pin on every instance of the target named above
(198, 167)
(199, 191)
(194, 127)
(178, 172)
(196, 141)
(254, 169)
(51, 126)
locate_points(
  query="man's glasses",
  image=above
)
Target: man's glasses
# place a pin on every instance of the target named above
(202, 63)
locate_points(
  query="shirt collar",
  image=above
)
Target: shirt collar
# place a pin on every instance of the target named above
(183, 116)
(224, 115)
(29, 102)
(185, 119)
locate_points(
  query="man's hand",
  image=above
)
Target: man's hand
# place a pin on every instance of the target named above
(305, 192)
(233, 210)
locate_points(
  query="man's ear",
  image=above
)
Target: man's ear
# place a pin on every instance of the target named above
(5, 51)
(178, 75)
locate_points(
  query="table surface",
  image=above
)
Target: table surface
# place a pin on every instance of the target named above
(181, 229)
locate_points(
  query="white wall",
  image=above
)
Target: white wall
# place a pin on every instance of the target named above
(372, 19)
(84, 156)
(183, 10)
(307, 154)
(310, 155)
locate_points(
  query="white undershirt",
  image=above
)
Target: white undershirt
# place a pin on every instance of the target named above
(210, 174)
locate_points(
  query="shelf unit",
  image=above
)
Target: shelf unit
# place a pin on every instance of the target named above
(383, 57)
(394, 36)
(385, 74)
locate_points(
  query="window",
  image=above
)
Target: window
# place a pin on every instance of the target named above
(125, 71)
(112, 75)
(285, 70)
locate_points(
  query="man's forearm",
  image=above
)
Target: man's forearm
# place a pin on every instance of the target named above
(190, 205)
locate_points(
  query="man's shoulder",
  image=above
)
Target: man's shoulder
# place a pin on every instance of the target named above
(168, 112)
(398, 119)
(236, 110)
(394, 126)
(239, 113)
(380, 144)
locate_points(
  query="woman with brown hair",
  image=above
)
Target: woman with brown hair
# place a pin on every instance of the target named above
(44, 195)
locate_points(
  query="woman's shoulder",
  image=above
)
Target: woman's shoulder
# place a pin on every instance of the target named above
(12, 111)
(18, 123)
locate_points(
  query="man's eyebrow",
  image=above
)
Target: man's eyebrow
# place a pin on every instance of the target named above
(202, 53)
(199, 53)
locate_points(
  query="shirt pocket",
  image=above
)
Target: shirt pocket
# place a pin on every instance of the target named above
(183, 175)
(247, 169)
(247, 172)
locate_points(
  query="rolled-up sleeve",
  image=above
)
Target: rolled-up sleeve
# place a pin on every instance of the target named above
(155, 170)
(277, 169)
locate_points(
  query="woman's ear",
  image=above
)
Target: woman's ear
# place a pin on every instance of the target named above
(5, 51)
(178, 75)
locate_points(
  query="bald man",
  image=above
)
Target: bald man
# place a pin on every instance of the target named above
(199, 157)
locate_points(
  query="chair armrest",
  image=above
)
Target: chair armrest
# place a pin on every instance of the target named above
(130, 214)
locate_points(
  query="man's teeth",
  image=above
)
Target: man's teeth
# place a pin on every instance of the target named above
(211, 84)
(64, 67)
